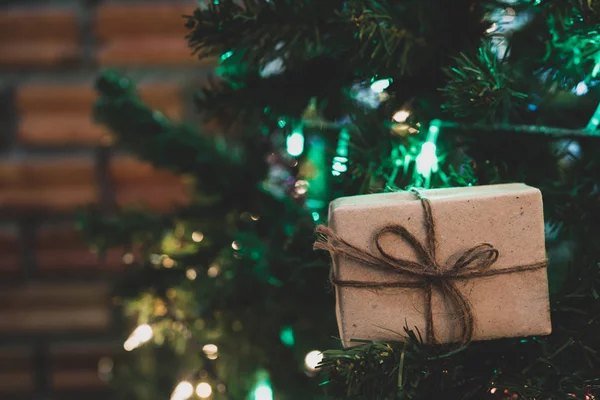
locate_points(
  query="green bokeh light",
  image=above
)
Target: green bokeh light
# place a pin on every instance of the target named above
(287, 333)
(226, 55)
(295, 143)
(380, 85)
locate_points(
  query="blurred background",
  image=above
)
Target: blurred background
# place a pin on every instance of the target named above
(59, 322)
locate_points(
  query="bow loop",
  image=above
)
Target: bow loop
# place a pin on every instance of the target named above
(426, 267)
(477, 259)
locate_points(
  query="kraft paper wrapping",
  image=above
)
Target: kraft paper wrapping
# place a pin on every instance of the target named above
(508, 216)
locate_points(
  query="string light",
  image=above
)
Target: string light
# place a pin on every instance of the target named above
(581, 89)
(263, 389)
(235, 245)
(427, 160)
(401, 116)
(263, 392)
(380, 85)
(301, 187)
(211, 351)
(295, 142)
(191, 274)
(316, 216)
(213, 271)
(203, 390)
(226, 55)
(183, 391)
(313, 359)
(168, 262)
(155, 259)
(138, 337)
(273, 67)
(287, 336)
(197, 237)
(340, 161)
(128, 258)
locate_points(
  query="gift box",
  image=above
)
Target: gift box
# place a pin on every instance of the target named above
(456, 264)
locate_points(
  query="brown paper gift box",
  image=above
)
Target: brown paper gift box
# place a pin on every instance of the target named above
(508, 216)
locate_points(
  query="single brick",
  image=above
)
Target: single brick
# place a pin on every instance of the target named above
(140, 184)
(10, 248)
(144, 34)
(38, 37)
(16, 371)
(61, 115)
(77, 366)
(55, 307)
(61, 250)
(50, 185)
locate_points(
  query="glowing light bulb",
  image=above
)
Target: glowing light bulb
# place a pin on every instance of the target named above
(197, 237)
(226, 55)
(313, 359)
(213, 271)
(263, 391)
(235, 245)
(168, 262)
(138, 337)
(211, 351)
(191, 274)
(287, 336)
(581, 89)
(203, 390)
(401, 116)
(380, 85)
(128, 258)
(427, 160)
(492, 28)
(295, 143)
(183, 391)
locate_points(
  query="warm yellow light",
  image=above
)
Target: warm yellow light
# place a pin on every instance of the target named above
(191, 274)
(128, 258)
(213, 271)
(197, 237)
(401, 116)
(138, 337)
(183, 391)
(168, 262)
(313, 359)
(211, 351)
(203, 390)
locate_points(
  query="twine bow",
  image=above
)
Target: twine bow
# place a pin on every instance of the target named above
(473, 263)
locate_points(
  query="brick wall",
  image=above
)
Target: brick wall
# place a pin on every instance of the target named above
(58, 330)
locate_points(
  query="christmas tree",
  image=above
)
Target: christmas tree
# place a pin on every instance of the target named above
(330, 98)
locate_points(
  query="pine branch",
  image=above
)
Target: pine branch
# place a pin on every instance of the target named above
(178, 147)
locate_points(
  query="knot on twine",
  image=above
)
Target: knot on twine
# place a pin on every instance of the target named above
(473, 263)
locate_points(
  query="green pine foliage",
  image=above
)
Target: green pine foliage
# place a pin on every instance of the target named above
(254, 287)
